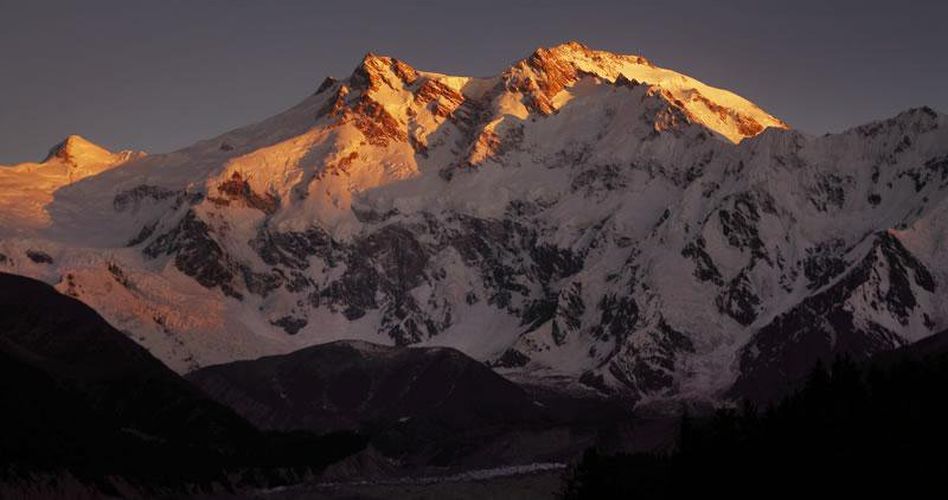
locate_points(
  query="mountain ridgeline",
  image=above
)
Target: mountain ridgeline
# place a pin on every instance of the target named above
(343, 385)
(584, 220)
(416, 406)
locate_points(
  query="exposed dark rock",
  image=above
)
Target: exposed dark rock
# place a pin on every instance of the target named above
(336, 106)
(397, 254)
(933, 169)
(290, 324)
(705, 270)
(146, 231)
(370, 117)
(569, 311)
(261, 283)
(237, 189)
(353, 313)
(196, 254)
(829, 192)
(119, 275)
(595, 381)
(132, 198)
(445, 99)
(597, 179)
(739, 300)
(900, 298)
(619, 315)
(511, 358)
(824, 262)
(623, 81)
(739, 226)
(552, 262)
(389, 261)
(538, 312)
(355, 291)
(653, 370)
(822, 327)
(326, 85)
(39, 256)
(293, 249)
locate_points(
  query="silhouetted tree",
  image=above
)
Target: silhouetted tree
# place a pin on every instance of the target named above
(851, 429)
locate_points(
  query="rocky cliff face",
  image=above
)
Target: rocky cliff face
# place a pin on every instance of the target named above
(583, 218)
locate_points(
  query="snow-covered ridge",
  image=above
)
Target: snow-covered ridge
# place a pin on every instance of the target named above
(583, 217)
(545, 74)
(27, 189)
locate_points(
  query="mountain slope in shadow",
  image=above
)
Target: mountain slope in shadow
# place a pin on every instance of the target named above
(81, 399)
(419, 406)
(864, 428)
(346, 384)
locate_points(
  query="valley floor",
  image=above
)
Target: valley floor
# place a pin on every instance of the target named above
(534, 481)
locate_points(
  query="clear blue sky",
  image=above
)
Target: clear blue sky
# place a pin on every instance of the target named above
(158, 75)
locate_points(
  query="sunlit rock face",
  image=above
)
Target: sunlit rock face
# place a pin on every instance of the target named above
(583, 219)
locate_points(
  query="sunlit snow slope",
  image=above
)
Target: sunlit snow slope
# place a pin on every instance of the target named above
(583, 217)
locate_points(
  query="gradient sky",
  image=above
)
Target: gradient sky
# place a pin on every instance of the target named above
(158, 75)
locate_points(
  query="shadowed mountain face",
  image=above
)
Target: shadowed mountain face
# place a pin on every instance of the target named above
(930, 347)
(419, 406)
(54, 345)
(80, 397)
(859, 429)
(346, 384)
(889, 279)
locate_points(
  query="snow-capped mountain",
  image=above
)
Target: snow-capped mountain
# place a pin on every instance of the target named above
(28, 188)
(583, 217)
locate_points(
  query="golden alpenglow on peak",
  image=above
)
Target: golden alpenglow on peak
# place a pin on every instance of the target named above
(547, 79)
(77, 149)
(548, 71)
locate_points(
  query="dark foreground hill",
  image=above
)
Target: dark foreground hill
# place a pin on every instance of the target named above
(82, 401)
(419, 406)
(345, 384)
(877, 428)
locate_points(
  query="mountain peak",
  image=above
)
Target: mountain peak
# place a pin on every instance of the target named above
(573, 51)
(540, 80)
(922, 115)
(549, 71)
(563, 50)
(599, 62)
(76, 149)
(82, 157)
(570, 45)
(376, 70)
